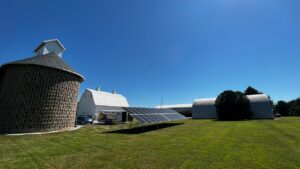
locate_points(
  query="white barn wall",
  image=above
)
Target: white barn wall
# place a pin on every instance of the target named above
(108, 109)
(92, 102)
(86, 105)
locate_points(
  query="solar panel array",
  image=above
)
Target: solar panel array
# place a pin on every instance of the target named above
(153, 115)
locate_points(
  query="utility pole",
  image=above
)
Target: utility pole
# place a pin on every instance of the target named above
(161, 102)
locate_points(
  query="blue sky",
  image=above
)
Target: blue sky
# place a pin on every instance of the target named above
(176, 49)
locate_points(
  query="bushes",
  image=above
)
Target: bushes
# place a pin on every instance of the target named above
(291, 108)
(232, 105)
(282, 108)
(294, 108)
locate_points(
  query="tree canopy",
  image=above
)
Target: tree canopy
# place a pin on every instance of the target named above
(294, 107)
(290, 108)
(233, 105)
(250, 91)
(282, 108)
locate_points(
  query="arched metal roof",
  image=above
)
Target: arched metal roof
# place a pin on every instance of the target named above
(206, 101)
(108, 99)
(204, 108)
(259, 104)
(171, 106)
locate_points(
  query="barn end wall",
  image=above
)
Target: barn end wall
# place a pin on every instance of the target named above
(86, 105)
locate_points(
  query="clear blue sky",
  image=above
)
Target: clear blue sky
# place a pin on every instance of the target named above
(176, 49)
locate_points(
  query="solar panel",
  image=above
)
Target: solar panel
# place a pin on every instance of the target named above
(153, 115)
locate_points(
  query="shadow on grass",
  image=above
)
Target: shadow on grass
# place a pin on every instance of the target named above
(236, 120)
(233, 120)
(143, 129)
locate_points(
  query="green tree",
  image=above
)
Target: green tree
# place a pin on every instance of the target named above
(294, 107)
(272, 103)
(233, 105)
(250, 91)
(282, 108)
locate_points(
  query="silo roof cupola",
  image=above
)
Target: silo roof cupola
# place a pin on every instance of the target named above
(50, 46)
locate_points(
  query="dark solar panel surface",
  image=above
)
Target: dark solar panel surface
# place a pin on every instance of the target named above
(153, 115)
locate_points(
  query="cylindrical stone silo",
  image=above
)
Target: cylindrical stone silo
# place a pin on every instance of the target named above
(38, 94)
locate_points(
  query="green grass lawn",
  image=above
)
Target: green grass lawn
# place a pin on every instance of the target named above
(192, 144)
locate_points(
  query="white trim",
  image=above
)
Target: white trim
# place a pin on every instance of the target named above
(47, 41)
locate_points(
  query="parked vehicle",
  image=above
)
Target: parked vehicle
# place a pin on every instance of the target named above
(84, 120)
(277, 115)
(106, 122)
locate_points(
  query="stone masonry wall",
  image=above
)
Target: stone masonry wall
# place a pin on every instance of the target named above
(36, 98)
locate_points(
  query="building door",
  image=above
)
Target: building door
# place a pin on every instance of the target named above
(124, 116)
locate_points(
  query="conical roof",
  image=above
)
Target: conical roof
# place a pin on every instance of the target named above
(50, 60)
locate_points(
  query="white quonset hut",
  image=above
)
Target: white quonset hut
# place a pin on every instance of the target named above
(96, 102)
(204, 109)
(184, 109)
(259, 104)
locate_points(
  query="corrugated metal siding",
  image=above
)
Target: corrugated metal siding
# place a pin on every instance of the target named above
(259, 105)
(204, 109)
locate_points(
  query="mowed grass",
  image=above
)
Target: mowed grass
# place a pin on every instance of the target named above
(192, 144)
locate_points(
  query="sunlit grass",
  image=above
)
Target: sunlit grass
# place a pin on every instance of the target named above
(192, 144)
